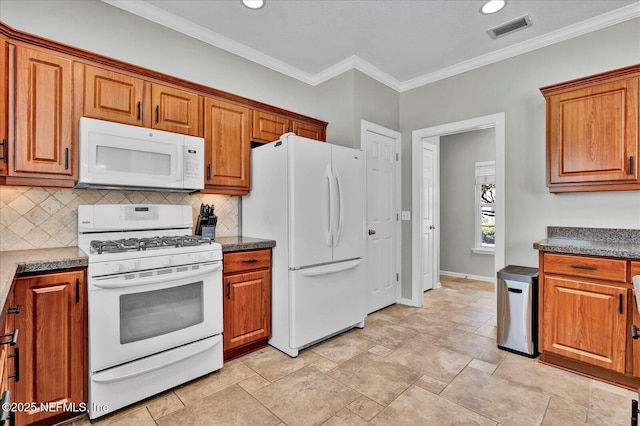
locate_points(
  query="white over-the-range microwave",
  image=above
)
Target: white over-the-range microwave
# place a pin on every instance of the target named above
(114, 155)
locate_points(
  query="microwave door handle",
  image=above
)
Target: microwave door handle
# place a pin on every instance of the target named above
(119, 283)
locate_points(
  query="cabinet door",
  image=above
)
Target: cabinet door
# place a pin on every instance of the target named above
(307, 130)
(268, 127)
(227, 145)
(175, 110)
(4, 105)
(247, 308)
(53, 336)
(635, 344)
(112, 96)
(593, 134)
(585, 321)
(43, 113)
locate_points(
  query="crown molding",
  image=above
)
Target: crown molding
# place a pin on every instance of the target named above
(169, 20)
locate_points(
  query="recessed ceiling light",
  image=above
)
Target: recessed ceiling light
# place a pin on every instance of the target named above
(493, 6)
(253, 4)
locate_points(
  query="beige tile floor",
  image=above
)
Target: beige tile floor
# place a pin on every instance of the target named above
(435, 365)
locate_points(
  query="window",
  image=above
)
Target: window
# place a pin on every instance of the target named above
(485, 211)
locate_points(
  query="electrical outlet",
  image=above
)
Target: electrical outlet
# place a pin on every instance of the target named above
(406, 215)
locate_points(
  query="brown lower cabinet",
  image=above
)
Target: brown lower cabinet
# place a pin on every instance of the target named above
(247, 301)
(52, 346)
(586, 311)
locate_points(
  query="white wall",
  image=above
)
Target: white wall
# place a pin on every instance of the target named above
(512, 86)
(458, 155)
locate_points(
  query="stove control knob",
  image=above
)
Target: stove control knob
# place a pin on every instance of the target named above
(116, 267)
(132, 265)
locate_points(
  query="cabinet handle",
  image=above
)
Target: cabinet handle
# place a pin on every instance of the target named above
(228, 289)
(634, 332)
(77, 290)
(66, 158)
(208, 171)
(4, 150)
(157, 113)
(139, 106)
(249, 260)
(13, 340)
(16, 364)
(630, 164)
(588, 268)
(7, 413)
(620, 303)
(14, 310)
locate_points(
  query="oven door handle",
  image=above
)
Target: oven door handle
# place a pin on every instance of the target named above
(108, 284)
(111, 377)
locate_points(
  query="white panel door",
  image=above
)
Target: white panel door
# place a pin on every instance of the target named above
(309, 183)
(348, 203)
(428, 220)
(381, 217)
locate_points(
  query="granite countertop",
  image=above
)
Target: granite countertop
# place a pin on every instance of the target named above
(37, 260)
(240, 243)
(620, 243)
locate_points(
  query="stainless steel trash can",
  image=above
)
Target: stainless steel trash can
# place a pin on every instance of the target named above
(517, 320)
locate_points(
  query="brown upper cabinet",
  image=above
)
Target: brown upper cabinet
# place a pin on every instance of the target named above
(43, 115)
(114, 96)
(4, 105)
(267, 127)
(45, 87)
(592, 132)
(227, 146)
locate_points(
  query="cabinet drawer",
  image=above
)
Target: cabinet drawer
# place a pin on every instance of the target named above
(246, 260)
(585, 266)
(635, 269)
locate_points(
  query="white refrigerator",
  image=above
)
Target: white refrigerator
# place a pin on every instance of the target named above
(309, 197)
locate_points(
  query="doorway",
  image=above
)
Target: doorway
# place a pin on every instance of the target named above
(419, 137)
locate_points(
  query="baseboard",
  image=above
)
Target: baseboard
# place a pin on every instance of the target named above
(469, 276)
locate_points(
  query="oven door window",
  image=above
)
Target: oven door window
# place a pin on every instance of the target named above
(154, 313)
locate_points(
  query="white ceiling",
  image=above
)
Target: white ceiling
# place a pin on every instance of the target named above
(402, 43)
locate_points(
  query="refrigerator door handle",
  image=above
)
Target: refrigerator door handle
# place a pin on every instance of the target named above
(329, 232)
(330, 269)
(340, 204)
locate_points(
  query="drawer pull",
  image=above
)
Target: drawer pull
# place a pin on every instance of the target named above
(249, 260)
(588, 268)
(13, 340)
(14, 310)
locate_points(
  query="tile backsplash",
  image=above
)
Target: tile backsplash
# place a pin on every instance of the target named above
(35, 217)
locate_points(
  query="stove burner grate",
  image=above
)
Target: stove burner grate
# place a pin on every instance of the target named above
(141, 244)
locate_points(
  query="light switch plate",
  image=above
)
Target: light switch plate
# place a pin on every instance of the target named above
(406, 215)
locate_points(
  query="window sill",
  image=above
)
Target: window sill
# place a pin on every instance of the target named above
(484, 250)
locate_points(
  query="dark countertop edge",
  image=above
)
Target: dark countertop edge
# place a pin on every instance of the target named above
(231, 244)
(590, 248)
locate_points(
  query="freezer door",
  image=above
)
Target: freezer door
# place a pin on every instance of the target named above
(325, 300)
(309, 210)
(348, 204)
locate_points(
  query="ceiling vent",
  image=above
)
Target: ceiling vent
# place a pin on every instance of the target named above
(510, 27)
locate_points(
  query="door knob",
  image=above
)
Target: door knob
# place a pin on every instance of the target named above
(372, 231)
(432, 227)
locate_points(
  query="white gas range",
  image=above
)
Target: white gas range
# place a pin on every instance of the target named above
(155, 301)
